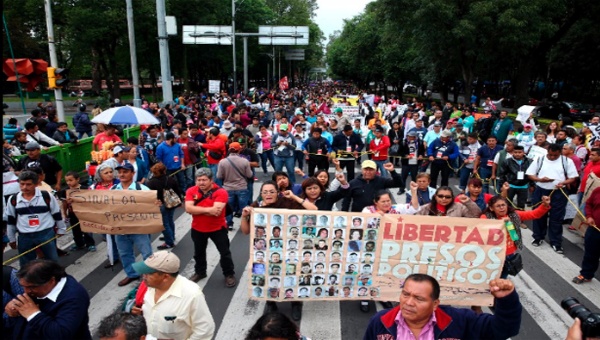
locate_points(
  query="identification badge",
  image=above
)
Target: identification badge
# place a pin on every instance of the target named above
(34, 221)
(376, 154)
(490, 162)
(319, 152)
(348, 149)
(520, 174)
(471, 158)
(412, 159)
(439, 155)
(175, 159)
(411, 155)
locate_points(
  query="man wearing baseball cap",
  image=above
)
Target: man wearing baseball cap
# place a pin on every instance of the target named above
(174, 307)
(283, 145)
(235, 173)
(442, 152)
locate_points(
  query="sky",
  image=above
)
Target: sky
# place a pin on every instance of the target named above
(331, 13)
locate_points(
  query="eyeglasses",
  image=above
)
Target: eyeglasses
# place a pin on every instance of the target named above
(444, 196)
(268, 192)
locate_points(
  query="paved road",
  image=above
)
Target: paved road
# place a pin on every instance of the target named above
(542, 284)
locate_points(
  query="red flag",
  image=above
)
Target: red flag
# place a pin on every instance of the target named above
(283, 83)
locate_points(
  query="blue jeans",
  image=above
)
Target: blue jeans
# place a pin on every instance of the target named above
(238, 199)
(26, 241)
(169, 223)
(125, 244)
(289, 165)
(189, 177)
(214, 168)
(267, 155)
(464, 173)
(384, 173)
(551, 222)
(299, 158)
(80, 134)
(485, 174)
(180, 176)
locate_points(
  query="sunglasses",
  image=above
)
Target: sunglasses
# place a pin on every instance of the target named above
(444, 196)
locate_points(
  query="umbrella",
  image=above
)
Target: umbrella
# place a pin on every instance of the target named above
(126, 115)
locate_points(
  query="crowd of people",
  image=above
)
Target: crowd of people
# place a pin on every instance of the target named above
(304, 129)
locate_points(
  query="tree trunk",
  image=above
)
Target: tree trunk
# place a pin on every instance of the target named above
(96, 76)
(186, 74)
(522, 82)
(154, 87)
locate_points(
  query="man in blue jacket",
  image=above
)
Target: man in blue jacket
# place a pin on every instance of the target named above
(347, 145)
(171, 155)
(54, 305)
(420, 315)
(442, 152)
(83, 124)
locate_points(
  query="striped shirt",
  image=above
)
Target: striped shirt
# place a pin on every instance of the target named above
(33, 215)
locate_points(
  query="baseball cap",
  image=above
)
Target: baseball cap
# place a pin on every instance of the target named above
(418, 119)
(126, 166)
(412, 134)
(235, 146)
(446, 133)
(241, 141)
(120, 148)
(283, 127)
(368, 164)
(338, 110)
(437, 124)
(32, 146)
(161, 261)
(379, 129)
(527, 125)
(227, 125)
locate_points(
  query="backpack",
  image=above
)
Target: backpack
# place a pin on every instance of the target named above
(483, 128)
(45, 196)
(571, 188)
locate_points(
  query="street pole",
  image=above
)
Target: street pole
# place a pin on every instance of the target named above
(60, 108)
(246, 66)
(137, 101)
(268, 82)
(163, 47)
(274, 79)
(233, 44)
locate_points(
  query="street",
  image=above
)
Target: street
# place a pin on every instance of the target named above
(544, 282)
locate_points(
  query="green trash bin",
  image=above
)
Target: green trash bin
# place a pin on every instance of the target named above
(46, 97)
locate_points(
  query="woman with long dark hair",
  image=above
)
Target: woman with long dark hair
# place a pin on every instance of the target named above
(314, 191)
(442, 204)
(159, 182)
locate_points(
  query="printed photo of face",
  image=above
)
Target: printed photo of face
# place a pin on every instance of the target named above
(303, 292)
(333, 279)
(289, 281)
(259, 220)
(323, 221)
(331, 291)
(318, 292)
(305, 280)
(306, 256)
(370, 246)
(319, 268)
(336, 257)
(289, 293)
(323, 233)
(274, 282)
(275, 270)
(357, 222)
(292, 245)
(309, 220)
(337, 245)
(275, 258)
(367, 258)
(292, 257)
(260, 232)
(353, 257)
(364, 280)
(373, 223)
(356, 234)
(260, 244)
(258, 268)
(293, 221)
(347, 292)
(338, 234)
(321, 256)
(305, 268)
(274, 293)
(321, 245)
(275, 244)
(259, 256)
(277, 220)
(257, 292)
(362, 291)
(307, 244)
(318, 280)
(366, 269)
(374, 292)
(348, 280)
(371, 235)
(354, 245)
(334, 268)
(258, 280)
(308, 232)
(293, 232)
(340, 222)
(276, 232)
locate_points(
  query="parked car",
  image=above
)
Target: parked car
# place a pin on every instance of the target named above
(558, 109)
(580, 111)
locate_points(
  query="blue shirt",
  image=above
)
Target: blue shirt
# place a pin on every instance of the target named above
(170, 156)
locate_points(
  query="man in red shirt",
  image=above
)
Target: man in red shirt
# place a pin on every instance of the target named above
(215, 150)
(190, 155)
(379, 147)
(206, 202)
(106, 136)
(593, 166)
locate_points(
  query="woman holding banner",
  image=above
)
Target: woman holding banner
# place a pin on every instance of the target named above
(442, 204)
(383, 203)
(500, 209)
(314, 192)
(269, 198)
(104, 180)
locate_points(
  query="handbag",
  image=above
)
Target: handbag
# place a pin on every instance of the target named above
(170, 198)
(394, 149)
(514, 264)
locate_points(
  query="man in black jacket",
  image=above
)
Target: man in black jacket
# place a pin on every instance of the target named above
(347, 146)
(317, 149)
(412, 151)
(512, 170)
(364, 187)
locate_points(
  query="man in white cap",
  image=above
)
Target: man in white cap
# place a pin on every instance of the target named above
(283, 145)
(363, 188)
(174, 307)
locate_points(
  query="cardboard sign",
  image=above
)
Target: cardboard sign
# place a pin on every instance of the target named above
(117, 212)
(322, 255)
(536, 151)
(578, 222)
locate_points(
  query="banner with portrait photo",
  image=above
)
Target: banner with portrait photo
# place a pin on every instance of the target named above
(302, 255)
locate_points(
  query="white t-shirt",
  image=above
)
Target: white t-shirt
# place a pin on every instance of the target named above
(552, 169)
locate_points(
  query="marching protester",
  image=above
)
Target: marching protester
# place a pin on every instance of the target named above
(379, 147)
(269, 194)
(206, 202)
(467, 154)
(315, 192)
(424, 190)
(161, 182)
(512, 171)
(317, 149)
(363, 188)
(591, 250)
(173, 306)
(235, 173)
(104, 179)
(482, 167)
(443, 204)
(421, 316)
(82, 240)
(347, 144)
(383, 203)
(442, 152)
(412, 151)
(283, 151)
(49, 164)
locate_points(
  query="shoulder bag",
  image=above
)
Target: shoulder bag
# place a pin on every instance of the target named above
(170, 197)
(249, 180)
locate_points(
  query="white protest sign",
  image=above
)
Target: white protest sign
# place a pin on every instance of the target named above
(214, 86)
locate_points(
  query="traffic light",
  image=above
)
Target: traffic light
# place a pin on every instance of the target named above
(57, 77)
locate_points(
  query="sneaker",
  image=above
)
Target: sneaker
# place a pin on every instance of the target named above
(230, 281)
(536, 243)
(74, 247)
(92, 248)
(162, 238)
(557, 249)
(580, 279)
(165, 246)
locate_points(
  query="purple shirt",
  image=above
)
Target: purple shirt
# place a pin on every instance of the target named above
(404, 333)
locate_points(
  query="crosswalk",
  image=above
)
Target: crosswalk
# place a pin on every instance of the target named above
(544, 282)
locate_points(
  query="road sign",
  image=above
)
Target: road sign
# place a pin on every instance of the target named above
(171, 25)
(214, 86)
(283, 35)
(294, 55)
(209, 35)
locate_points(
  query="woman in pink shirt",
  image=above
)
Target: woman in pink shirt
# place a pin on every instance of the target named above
(263, 147)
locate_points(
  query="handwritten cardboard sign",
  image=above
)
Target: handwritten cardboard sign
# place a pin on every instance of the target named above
(117, 211)
(323, 255)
